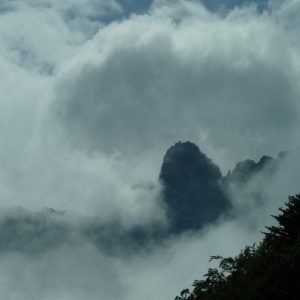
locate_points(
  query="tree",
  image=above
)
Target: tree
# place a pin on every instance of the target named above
(270, 270)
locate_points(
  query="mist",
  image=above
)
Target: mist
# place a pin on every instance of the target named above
(91, 99)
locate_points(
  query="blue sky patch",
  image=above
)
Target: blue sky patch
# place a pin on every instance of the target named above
(214, 5)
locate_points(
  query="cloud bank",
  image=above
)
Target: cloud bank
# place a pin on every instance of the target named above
(89, 107)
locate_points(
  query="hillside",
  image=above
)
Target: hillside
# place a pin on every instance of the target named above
(270, 270)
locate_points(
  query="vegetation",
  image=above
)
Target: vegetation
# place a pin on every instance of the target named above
(270, 270)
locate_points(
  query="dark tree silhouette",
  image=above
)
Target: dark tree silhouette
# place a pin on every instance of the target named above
(270, 270)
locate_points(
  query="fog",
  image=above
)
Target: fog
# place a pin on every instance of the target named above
(91, 99)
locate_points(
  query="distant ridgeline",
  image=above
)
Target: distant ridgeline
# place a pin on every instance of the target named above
(194, 194)
(194, 191)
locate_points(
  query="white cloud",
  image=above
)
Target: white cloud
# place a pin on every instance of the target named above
(85, 120)
(69, 8)
(161, 78)
(42, 34)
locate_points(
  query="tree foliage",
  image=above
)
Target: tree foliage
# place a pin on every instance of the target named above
(270, 270)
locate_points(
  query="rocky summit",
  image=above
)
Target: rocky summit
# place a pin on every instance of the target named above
(192, 188)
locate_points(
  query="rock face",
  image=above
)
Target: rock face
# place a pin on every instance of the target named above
(191, 188)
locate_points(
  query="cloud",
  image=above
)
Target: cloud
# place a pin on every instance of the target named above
(28, 37)
(70, 9)
(76, 268)
(88, 110)
(61, 274)
(160, 78)
(39, 35)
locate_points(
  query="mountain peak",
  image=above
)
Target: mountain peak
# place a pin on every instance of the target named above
(185, 160)
(191, 187)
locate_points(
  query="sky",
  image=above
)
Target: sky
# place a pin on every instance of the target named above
(94, 92)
